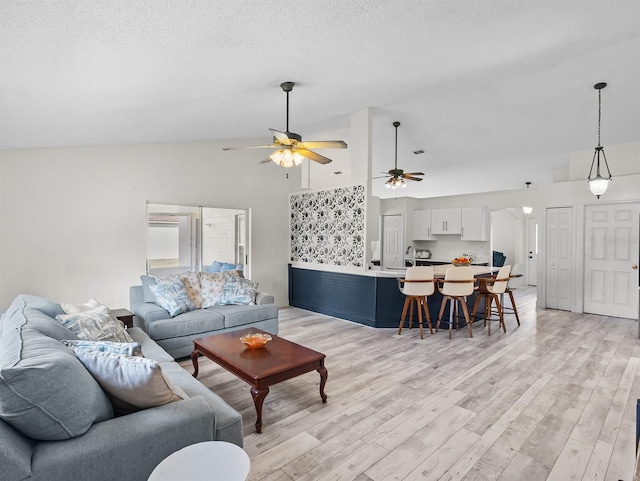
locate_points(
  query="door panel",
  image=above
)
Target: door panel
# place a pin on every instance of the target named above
(558, 258)
(611, 252)
(392, 241)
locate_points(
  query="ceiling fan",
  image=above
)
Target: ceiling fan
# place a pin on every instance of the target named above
(290, 150)
(397, 176)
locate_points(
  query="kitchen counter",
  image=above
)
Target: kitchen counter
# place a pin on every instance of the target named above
(369, 297)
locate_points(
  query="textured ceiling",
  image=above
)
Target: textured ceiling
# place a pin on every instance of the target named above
(496, 92)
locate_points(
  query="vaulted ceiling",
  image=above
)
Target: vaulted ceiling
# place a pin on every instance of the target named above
(496, 92)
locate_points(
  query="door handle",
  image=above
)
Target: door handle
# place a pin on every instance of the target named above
(634, 266)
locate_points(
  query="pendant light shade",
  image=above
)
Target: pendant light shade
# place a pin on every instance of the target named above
(597, 183)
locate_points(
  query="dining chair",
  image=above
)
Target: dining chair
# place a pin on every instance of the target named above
(417, 285)
(490, 290)
(458, 283)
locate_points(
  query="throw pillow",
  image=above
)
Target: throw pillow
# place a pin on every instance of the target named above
(227, 267)
(147, 282)
(95, 325)
(212, 285)
(214, 267)
(78, 308)
(132, 383)
(191, 281)
(238, 290)
(45, 392)
(124, 348)
(172, 296)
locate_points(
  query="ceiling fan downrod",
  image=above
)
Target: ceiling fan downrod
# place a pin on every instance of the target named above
(287, 87)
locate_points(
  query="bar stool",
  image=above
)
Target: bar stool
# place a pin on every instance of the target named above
(416, 286)
(491, 289)
(513, 307)
(458, 283)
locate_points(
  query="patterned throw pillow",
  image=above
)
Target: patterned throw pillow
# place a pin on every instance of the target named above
(172, 296)
(132, 383)
(212, 284)
(95, 325)
(124, 348)
(239, 290)
(191, 281)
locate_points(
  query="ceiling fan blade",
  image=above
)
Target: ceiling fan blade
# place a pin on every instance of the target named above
(268, 159)
(408, 177)
(324, 144)
(414, 173)
(282, 137)
(314, 156)
(380, 177)
(272, 146)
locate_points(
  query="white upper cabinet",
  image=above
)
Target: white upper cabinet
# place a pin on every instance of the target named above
(446, 221)
(422, 225)
(475, 223)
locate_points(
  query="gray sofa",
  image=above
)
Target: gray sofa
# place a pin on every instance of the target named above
(65, 395)
(176, 334)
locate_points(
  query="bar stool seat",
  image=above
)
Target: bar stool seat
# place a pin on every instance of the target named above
(416, 286)
(491, 289)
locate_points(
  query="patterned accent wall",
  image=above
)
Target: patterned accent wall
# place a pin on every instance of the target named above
(327, 227)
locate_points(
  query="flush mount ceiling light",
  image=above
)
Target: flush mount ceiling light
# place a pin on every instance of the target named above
(290, 150)
(598, 184)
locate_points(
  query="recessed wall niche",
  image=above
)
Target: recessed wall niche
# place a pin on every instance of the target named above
(327, 227)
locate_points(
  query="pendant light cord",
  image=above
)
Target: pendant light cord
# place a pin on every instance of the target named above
(599, 113)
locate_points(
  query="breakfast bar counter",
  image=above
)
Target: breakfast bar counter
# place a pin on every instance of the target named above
(369, 297)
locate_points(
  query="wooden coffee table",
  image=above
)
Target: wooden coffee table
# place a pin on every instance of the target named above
(277, 361)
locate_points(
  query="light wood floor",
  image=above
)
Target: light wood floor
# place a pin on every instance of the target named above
(553, 399)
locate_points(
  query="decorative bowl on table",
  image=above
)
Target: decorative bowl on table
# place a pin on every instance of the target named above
(255, 340)
(461, 261)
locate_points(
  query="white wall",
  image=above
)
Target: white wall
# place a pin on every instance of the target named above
(74, 219)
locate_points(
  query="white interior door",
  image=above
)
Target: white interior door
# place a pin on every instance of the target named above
(558, 227)
(611, 259)
(392, 241)
(532, 251)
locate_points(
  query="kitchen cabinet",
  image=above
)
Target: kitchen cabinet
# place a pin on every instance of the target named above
(446, 221)
(421, 229)
(475, 223)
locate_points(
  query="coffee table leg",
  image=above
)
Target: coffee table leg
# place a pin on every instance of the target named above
(323, 380)
(194, 359)
(258, 398)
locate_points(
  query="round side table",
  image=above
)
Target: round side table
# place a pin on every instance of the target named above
(215, 460)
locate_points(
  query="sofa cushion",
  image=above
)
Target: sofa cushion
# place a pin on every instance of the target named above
(41, 304)
(194, 322)
(241, 315)
(95, 325)
(131, 382)
(39, 321)
(36, 397)
(172, 296)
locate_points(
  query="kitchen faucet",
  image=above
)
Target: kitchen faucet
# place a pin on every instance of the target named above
(413, 256)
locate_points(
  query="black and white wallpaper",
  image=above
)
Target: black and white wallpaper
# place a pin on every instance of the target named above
(327, 227)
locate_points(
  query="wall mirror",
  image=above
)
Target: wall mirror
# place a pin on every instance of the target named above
(188, 238)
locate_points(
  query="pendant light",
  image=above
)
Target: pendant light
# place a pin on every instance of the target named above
(599, 184)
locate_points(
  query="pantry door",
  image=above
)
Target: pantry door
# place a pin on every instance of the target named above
(392, 241)
(611, 259)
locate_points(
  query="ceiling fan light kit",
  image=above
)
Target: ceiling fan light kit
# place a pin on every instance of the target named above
(397, 177)
(290, 150)
(598, 184)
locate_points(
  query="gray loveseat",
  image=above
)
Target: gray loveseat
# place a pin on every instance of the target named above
(73, 433)
(176, 334)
